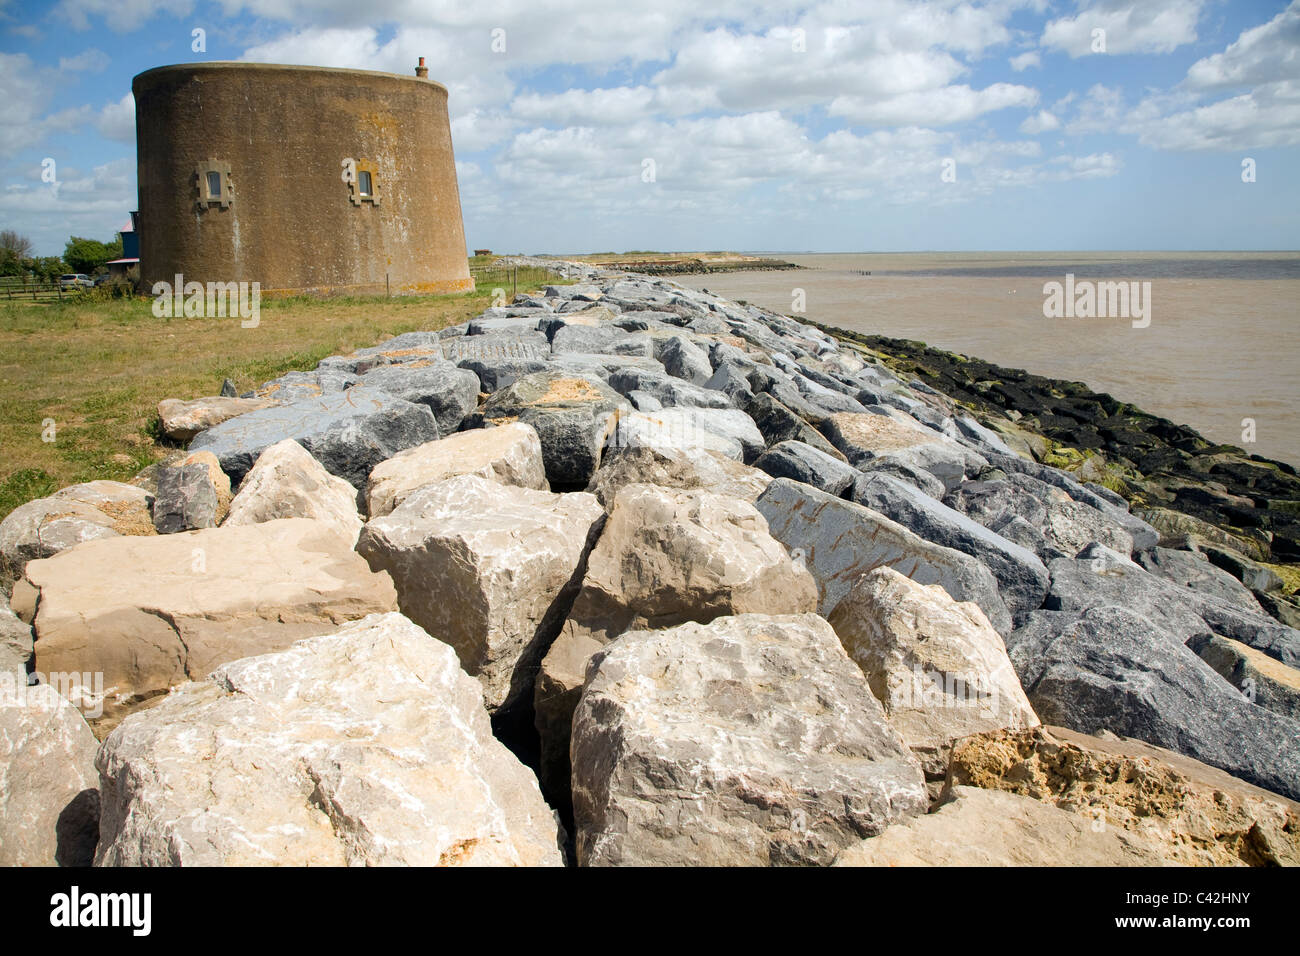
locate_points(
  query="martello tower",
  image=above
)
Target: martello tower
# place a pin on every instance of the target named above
(300, 178)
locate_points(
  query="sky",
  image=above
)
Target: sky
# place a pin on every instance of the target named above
(874, 125)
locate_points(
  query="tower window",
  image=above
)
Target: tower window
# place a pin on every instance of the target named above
(364, 186)
(214, 186)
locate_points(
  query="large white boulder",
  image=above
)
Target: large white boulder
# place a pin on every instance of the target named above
(488, 568)
(287, 482)
(368, 746)
(937, 665)
(49, 801)
(510, 454)
(150, 613)
(750, 741)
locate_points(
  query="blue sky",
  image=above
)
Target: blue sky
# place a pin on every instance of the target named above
(822, 126)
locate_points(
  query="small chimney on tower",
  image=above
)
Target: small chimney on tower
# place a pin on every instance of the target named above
(422, 71)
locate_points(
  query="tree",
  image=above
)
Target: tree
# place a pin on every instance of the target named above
(12, 242)
(46, 268)
(87, 255)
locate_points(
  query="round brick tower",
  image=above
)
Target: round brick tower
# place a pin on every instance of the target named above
(300, 178)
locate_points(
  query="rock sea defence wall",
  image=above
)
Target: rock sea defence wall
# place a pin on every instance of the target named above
(625, 574)
(1171, 475)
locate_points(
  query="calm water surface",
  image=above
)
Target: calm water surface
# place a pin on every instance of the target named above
(1222, 344)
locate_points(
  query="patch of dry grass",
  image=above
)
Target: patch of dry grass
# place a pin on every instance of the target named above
(98, 369)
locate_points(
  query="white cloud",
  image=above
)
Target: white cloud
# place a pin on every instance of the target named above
(704, 163)
(567, 31)
(13, 21)
(1265, 58)
(938, 107)
(1040, 122)
(1263, 54)
(738, 110)
(867, 56)
(84, 205)
(480, 129)
(120, 16)
(117, 120)
(353, 49)
(722, 70)
(1267, 116)
(87, 61)
(474, 79)
(25, 93)
(1100, 110)
(1131, 26)
(585, 107)
(1092, 166)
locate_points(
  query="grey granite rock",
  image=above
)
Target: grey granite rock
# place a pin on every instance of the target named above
(1193, 570)
(1261, 680)
(812, 466)
(347, 432)
(1063, 527)
(1022, 578)
(450, 392)
(726, 430)
(841, 541)
(495, 374)
(499, 359)
(1100, 577)
(865, 437)
(1144, 536)
(778, 423)
(918, 478)
(733, 381)
(684, 359)
(185, 500)
(1252, 574)
(601, 338)
(670, 391)
(1112, 668)
(571, 414)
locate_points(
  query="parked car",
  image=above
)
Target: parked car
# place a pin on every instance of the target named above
(76, 280)
(103, 280)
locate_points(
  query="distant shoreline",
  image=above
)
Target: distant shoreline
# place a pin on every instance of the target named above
(1220, 349)
(684, 263)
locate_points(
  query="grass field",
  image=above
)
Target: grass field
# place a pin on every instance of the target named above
(97, 369)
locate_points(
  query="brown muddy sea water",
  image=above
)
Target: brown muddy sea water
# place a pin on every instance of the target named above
(1223, 342)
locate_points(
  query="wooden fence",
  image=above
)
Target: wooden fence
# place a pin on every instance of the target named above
(36, 290)
(511, 278)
